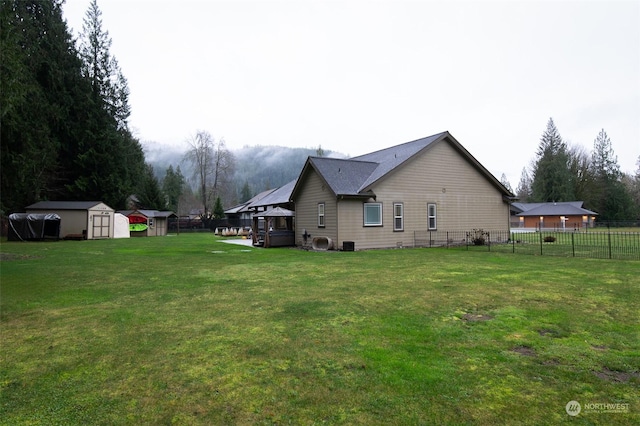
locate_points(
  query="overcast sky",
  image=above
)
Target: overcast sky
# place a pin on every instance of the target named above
(358, 76)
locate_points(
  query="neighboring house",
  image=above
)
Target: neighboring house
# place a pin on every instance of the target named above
(79, 219)
(558, 216)
(240, 215)
(148, 223)
(379, 200)
(279, 197)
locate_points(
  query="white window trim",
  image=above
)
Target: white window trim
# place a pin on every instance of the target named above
(396, 217)
(364, 214)
(430, 216)
(321, 215)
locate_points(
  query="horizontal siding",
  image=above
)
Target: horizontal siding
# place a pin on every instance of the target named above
(314, 192)
(465, 199)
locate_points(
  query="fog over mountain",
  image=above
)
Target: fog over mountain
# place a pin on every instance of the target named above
(262, 167)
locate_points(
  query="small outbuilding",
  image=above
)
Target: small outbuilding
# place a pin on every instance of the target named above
(148, 223)
(33, 227)
(79, 219)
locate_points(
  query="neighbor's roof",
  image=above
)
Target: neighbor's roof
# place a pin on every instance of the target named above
(280, 195)
(565, 208)
(244, 207)
(65, 205)
(356, 176)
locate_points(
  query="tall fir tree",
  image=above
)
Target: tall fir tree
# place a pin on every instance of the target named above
(609, 196)
(44, 102)
(148, 191)
(245, 192)
(523, 191)
(173, 186)
(218, 209)
(108, 161)
(552, 180)
(110, 87)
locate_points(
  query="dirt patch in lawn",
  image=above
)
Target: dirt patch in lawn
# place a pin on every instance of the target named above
(524, 350)
(617, 376)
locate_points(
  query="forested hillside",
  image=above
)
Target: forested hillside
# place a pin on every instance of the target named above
(257, 168)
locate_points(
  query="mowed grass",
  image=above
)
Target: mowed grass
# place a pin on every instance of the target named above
(190, 330)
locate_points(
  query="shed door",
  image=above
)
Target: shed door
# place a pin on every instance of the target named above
(101, 226)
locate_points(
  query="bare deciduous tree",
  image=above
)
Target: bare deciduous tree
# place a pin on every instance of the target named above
(200, 155)
(213, 166)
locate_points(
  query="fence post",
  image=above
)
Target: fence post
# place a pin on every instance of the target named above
(513, 243)
(489, 240)
(447, 239)
(573, 246)
(540, 241)
(609, 238)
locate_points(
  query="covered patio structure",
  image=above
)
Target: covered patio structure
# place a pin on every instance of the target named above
(274, 228)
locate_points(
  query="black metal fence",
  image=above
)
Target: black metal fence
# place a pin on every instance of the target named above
(602, 244)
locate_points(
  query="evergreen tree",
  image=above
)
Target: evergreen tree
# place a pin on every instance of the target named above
(218, 210)
(173, 187)
(245, 193)
(609, 198)
(106, 162)
(44, 100)
(148, 191)
(633, 187)
(552, 180)
(61, 139)
(523, 191)
(110, 87)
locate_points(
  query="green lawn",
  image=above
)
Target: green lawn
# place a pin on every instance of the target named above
(190, 330)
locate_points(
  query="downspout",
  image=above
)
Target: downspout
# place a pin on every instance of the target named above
(337, 246)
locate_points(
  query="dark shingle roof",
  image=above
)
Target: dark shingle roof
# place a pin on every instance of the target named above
(355, 176)
(390, 158)
(281, 195)
(566, 208)
(344, 177)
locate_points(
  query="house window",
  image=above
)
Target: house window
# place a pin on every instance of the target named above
(320, 215)
(372, 214)
(150, 222)
(431, 216)
(398, 217)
